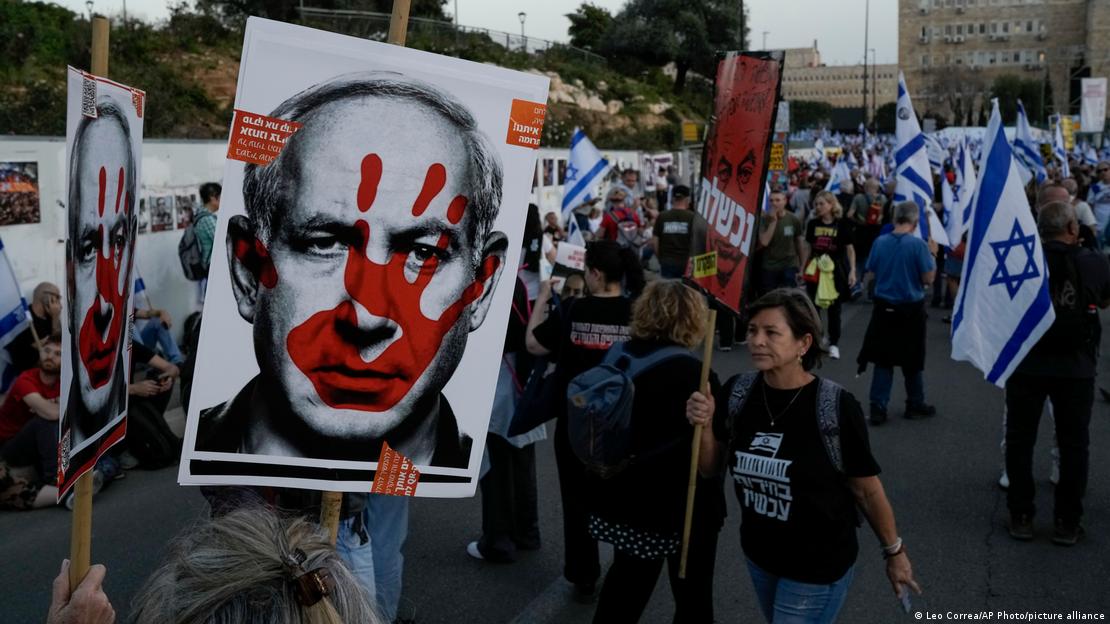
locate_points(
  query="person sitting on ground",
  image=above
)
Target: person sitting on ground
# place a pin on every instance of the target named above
(155, 334)
(250, 566)
(150, 443)
(29, 433)
(46, 316)
(798, 449)
(641, 509)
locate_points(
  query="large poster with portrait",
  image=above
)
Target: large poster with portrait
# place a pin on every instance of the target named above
(734, 168)
(104, 139)
(373, 202)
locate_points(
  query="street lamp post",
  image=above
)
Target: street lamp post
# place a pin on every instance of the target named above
(765, 39)
(866, 27)
(874, 89)
(89, 4)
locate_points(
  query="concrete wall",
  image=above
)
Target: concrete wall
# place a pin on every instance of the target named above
(36, 250)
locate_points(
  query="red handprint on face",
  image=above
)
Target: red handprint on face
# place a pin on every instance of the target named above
(100, 332)
(327, 347)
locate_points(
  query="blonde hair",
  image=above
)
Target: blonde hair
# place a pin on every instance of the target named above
(234, 569)
(836, 209)
(669, 311)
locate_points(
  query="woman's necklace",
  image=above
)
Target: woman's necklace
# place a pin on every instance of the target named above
(767, 404)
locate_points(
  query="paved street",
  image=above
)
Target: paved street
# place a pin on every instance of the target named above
(940, 475)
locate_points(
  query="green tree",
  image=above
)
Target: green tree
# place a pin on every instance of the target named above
(884, 118)
(688, 33)
(588, 25)
(806, 114)
(1010, 88)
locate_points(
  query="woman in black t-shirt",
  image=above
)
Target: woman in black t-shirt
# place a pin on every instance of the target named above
(829, 234)
(797, 448)
(641, 509)
(576, 336)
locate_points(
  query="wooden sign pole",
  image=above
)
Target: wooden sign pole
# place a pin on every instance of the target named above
(332, 501)
(80, 539)
(695, 446)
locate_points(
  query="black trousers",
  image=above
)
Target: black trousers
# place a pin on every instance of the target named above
(36, 445)
(510, 518)
(631, 580)
(581, 564)
(1072, 400)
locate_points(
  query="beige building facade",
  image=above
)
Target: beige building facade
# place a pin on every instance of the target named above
(805, 77)
(951, 51)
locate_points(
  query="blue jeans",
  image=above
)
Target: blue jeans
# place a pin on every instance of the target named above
(883, 379)
(374, 554)
(784, 601)
(154, 335)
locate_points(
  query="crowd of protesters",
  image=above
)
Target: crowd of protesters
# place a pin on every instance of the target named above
(794, 444)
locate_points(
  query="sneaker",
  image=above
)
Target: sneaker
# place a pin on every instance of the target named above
(1067, 533)
(472, 550)
(878, 415)
(127, 461)
(834, 352)
(923, 410)
(1021, 527)
(97, 485)
(1004, 480)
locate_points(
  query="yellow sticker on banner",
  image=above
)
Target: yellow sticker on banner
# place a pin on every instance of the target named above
(705, 265)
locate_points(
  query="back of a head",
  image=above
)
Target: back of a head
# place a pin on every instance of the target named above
(669, 311)
(1054, 218)
(1052, 192)
(906, 212)
(44, 291)
(616, 263)
(235, 569)
(210, 191)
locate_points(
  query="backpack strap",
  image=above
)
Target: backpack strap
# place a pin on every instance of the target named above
(634, 366)
(828, 420)
(742, 386)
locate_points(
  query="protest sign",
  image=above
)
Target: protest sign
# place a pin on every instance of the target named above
(1092, 104)
(19, 193)
(734, 166)
(104, 137)
(358, 317)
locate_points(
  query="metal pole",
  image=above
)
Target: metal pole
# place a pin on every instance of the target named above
(765, 39)
(866, 28)
(874, 89)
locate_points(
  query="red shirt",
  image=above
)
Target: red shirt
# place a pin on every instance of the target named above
(609, 228)
(15, 412)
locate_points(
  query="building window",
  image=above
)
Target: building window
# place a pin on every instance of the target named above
(1029, 26)
(924, 60)
(948, 29)
(982, 28)
(959, 29)
(1005, 27)
(924, 32)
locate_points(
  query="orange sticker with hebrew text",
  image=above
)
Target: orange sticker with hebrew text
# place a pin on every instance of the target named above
(526, 123)
(258, 139)
(396, 475)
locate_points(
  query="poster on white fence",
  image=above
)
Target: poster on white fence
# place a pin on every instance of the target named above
(1092, 107)
(104, 142)
(358, 299)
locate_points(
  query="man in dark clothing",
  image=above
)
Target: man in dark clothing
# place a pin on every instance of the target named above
(46, 312)
(678, 234)
(902, 265)
(1060, 367)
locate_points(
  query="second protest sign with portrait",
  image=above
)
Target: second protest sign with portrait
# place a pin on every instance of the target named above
(374, 197)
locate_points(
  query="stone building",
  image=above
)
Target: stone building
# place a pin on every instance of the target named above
(951, 51)
(804, 77)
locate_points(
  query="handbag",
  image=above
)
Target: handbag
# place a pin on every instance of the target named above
(543, 396)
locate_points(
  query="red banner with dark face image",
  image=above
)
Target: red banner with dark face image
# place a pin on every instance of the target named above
(734, 169)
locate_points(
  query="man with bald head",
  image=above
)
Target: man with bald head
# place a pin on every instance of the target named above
(365, 259)
(99, 255)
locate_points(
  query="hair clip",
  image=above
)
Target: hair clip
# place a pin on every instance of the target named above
(311, 587)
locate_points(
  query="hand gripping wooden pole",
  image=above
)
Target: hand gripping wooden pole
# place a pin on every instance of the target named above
(695, 446)
(80, 538)
(331, 501)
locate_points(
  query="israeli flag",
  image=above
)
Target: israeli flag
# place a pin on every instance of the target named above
(1026, 150)
(767, 197)
(585, 170)
(1090, 157)
(963, 190)
(14, 319)
(1060, 152)
(839, 175)
(876, 167)
(914, 179)
(1003, 306)
(936, 153)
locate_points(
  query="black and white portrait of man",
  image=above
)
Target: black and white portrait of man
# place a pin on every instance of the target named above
(362, 267)
(103, 172)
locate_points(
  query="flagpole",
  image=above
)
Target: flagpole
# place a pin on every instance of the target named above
(695, 446)
(80, 539)
(332, 502)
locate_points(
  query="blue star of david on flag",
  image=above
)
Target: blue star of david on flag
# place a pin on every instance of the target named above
(1002, 251)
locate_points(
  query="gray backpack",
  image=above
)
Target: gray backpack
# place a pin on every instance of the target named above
(599, 407)
(828, 412)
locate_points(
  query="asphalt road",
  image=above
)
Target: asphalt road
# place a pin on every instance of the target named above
(940, 475)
